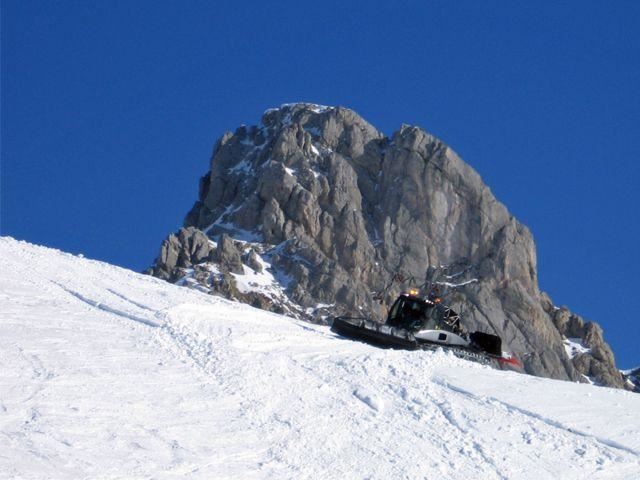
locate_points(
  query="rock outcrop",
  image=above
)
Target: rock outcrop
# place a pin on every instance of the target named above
(632, 378)
(314, 210)
(595, 359)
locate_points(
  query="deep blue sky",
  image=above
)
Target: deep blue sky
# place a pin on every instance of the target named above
(110, 111)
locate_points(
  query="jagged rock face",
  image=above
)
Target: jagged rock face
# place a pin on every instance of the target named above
(597, 361)
(632, 378)
(332, 208)
(189, 247)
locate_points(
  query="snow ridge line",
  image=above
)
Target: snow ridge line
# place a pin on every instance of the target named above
(548, 421)
(127, 299)
(107, 308)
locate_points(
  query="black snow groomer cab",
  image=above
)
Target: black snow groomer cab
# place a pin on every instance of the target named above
(416, 323)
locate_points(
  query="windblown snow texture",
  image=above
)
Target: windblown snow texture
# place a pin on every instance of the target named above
(312, 211)
(106, 373)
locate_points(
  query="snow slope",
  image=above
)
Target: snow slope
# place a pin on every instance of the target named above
(105, 373)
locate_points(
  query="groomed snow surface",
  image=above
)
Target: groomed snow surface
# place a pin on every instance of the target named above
(105, 373)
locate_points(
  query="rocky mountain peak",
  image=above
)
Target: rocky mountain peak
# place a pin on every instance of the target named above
(312, 211)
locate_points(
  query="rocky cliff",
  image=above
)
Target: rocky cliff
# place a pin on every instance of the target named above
(313, 211)
(632, 378)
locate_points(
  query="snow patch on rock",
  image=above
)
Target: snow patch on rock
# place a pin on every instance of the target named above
(573, 347)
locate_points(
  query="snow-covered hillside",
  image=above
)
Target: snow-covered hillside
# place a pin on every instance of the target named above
(106, 373)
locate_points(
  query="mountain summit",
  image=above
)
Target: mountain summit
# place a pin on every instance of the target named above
(313, 211)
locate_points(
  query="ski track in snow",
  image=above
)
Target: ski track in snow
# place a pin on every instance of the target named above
(106, 373)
